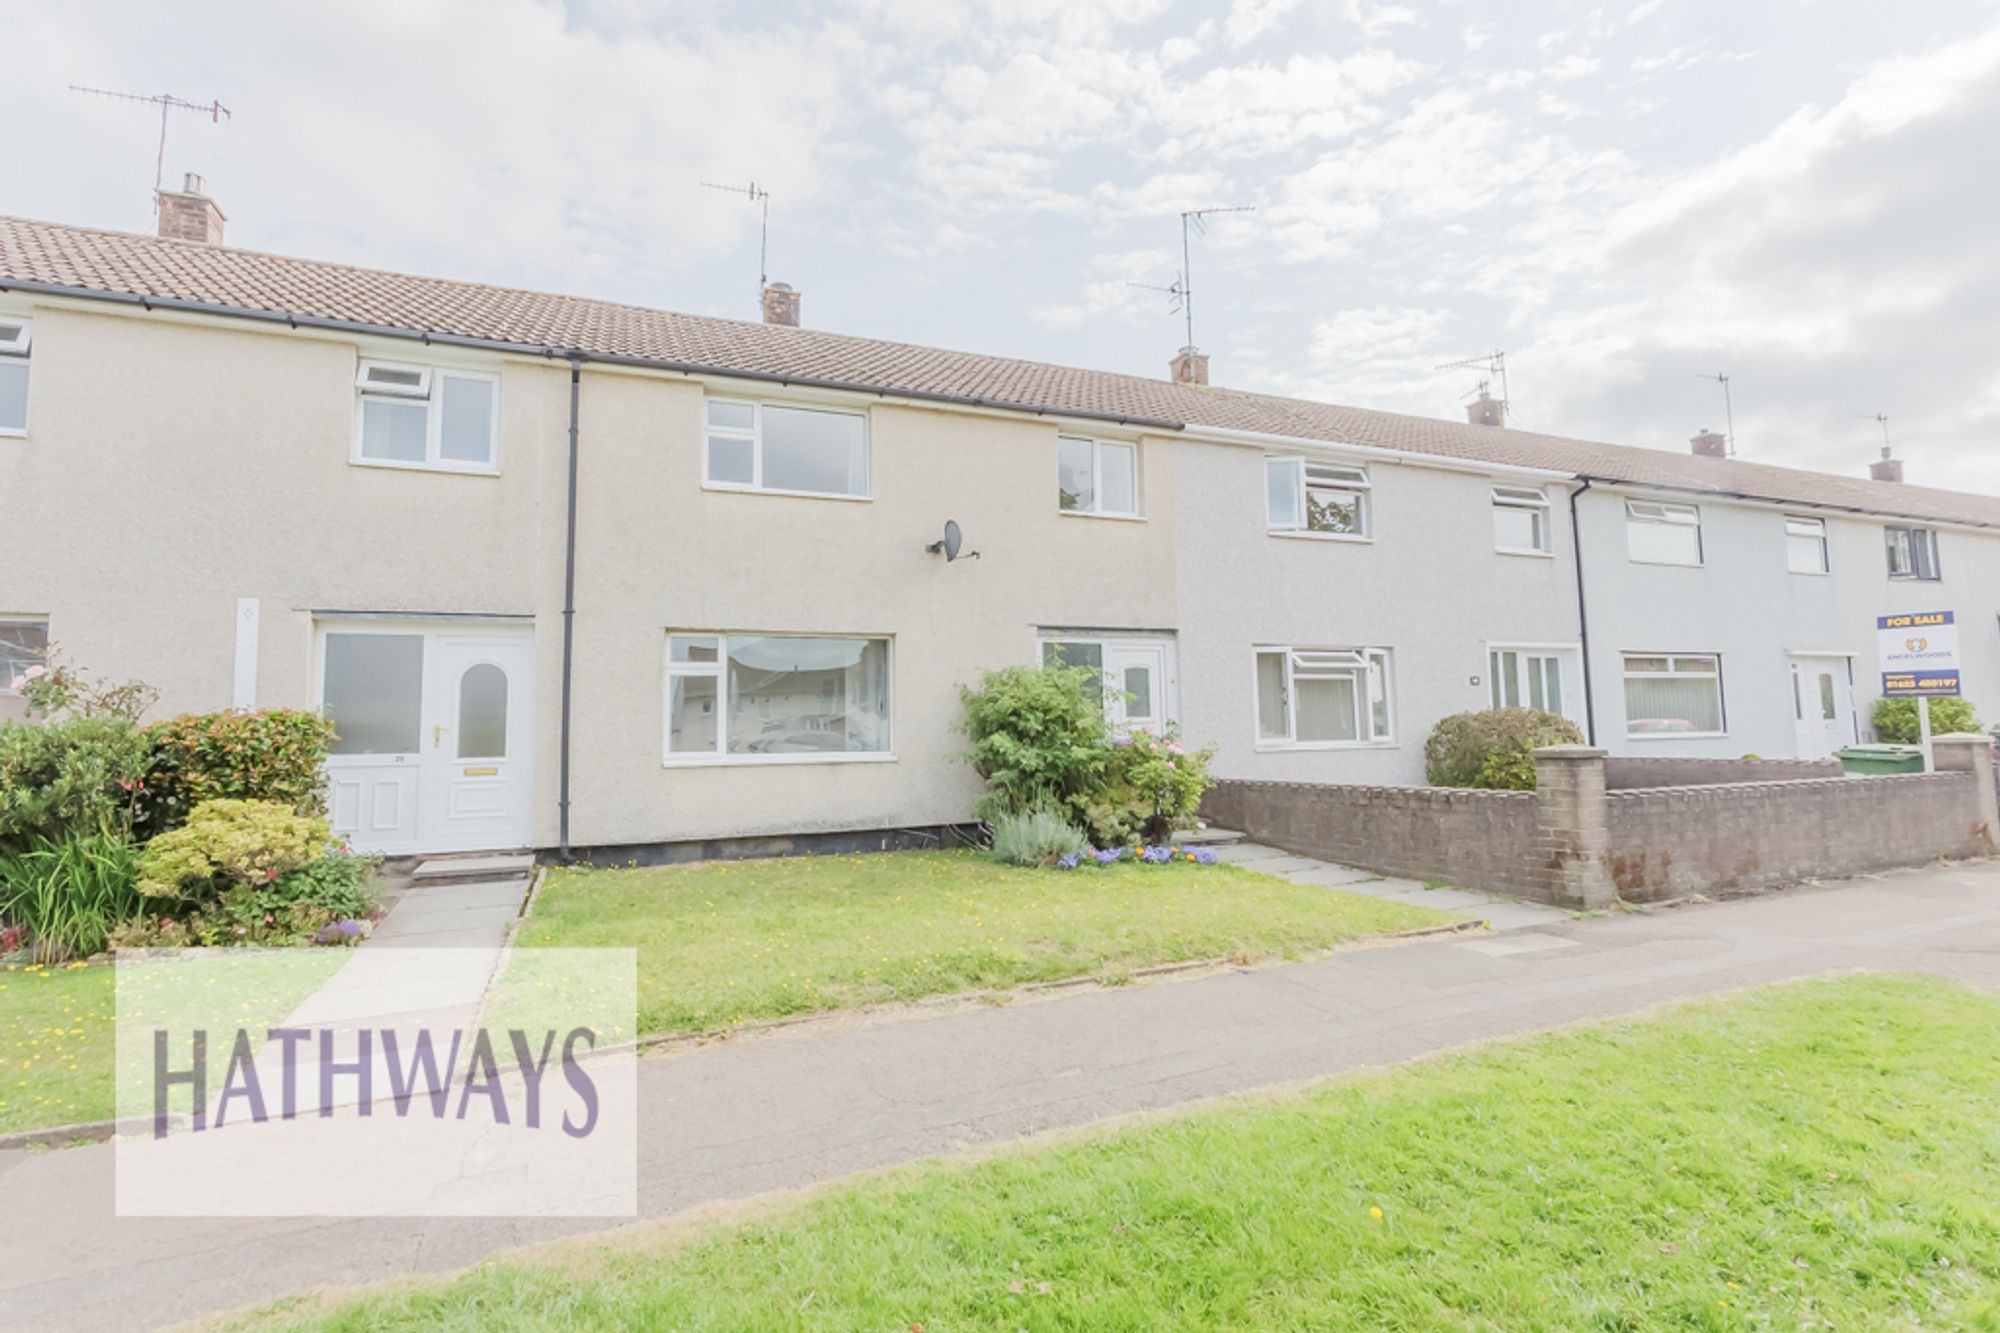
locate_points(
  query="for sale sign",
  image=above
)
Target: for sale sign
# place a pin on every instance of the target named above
(1919, 651)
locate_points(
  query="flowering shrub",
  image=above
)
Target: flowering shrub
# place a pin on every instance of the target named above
(327, 901)
(229, 843)
(274, 754)
(1152, 785)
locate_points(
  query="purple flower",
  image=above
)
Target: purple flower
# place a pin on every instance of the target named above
(1204, 856)
(1067, 862)
(1109, 855)
(1158, 856)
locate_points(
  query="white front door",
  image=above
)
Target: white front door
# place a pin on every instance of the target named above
(1135, 682)
(435, 735)
(1822, 705)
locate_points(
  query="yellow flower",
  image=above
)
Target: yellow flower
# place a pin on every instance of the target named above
(1375, 1212)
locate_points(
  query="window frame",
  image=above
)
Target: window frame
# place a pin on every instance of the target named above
(1354, 481)
(1568, 658)
(1825, 545)
(754, 434)
(19, 348)
(1535, 501)
(1625, 674)
(1373, 659)
(431, 395)
(7, 690)
(1667, 509)
(718, 671)
(1916, 572)
(1097, 509)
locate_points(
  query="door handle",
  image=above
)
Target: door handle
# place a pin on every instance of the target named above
(437, 734)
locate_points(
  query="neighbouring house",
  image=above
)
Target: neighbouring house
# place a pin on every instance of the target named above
(577, 575)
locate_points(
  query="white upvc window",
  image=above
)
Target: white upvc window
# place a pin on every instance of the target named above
(1673, 695)
(785, 449)
(1913, 552)
(1323, 698)
(16, 335)
(433, 417)
(776, 698)
(1520, 520)
(1526, 678)
(1097, 477)
(1312, 499)
(1805, 545)
(1663, 534)
(24, 643)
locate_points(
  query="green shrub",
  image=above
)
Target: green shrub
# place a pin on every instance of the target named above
(1147, 777)
(275, 754)
(228, 843)
(1037, 736)
(302, 906)
(66, 779)
(69, 895)
(1037, 838)
(1895, 720)
(1494, 748)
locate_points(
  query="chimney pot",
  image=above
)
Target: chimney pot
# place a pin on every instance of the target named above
(188, 214)
(1486, 410)
(1189, 367)
(1710, 444)
(781, 305)
(1886, 468)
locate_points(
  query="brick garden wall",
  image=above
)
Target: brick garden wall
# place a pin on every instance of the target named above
(1575, 842)
(1668, 842)
(1467, 837)
(1622, 773)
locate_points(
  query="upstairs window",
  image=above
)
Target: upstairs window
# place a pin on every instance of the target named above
(1097, 477)
(1805, 546)
(15, 335)
(1322, 697)
(784, 449)
(23, 644)
(1316, 499)
(1663, 534)
(1520, 520)
(425, 417)
(1912, 552)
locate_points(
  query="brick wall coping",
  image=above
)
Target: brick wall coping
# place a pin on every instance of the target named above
(1722, 789)
(1420, 793)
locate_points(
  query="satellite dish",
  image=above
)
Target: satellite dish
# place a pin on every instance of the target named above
(952, 541)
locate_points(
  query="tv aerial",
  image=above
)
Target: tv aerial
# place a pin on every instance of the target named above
(1194, 222)
(168, 103)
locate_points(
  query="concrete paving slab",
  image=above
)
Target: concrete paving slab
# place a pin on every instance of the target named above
(456, 867)
(1521, 941)
(1330, 876)
(460, 897)
(1516, 916)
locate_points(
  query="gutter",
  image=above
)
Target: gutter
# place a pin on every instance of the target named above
(1582, 615)
(568, 613)
(1300, 443)
(549, 352)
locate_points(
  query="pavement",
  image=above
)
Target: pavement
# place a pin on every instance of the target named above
(1498, 911)
(801, 1105)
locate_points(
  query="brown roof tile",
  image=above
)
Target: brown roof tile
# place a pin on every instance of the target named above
(118, 262)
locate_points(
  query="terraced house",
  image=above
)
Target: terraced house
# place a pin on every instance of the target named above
(582, 576)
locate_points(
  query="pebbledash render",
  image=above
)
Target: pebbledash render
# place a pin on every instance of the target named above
(575, 575)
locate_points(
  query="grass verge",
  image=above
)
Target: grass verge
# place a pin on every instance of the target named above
(1813, 1155)
(57, 1043)
(731, 942)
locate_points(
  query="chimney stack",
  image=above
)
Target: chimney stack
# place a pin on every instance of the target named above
(781, 305)
(1189, 367)
(1710, 444)
(1486, 410)
(1886, 468)
(187, 214)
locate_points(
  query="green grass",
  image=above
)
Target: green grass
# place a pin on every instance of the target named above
(56, 1046)
(725, 943)
(1814, 1155)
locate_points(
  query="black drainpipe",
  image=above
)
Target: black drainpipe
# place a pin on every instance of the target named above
(1582, 628)
(569, 602)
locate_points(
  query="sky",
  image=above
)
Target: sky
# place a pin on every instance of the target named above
(1803, 195)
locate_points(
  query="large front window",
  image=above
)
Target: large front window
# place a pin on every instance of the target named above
(427, 417)
(1316, 499)
(1319, 697)
(1673, 694)
(771, 696)
(778, 447)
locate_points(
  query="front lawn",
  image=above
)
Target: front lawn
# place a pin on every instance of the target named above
(1813, 1155)
(57, 1042)
(727, 942)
